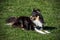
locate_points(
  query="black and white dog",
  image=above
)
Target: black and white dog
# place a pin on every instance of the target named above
(35, 22)
(27, 23)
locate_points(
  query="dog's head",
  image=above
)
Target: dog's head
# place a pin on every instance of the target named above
(35, 12)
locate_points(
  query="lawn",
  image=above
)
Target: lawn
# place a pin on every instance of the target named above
(50, 10)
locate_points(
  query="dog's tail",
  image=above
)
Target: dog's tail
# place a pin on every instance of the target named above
(39, 31)
(9, 24)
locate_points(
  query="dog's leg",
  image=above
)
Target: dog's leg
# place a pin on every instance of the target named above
(26, 25)
(46, 31)
(39, 31)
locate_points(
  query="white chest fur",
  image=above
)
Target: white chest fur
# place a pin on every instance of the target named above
(37, 23)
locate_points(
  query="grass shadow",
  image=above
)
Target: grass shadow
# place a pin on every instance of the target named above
(49, 28)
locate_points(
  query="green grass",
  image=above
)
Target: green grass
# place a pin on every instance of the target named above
(50, 10)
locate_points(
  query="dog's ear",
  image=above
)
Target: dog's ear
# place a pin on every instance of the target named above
(30, 17)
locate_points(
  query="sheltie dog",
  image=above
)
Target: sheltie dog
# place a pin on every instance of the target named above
(34, 22)
(27, 23)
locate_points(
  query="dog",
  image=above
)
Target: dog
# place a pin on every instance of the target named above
(26, 23)
(34, 22)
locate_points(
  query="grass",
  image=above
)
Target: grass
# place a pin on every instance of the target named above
(50, 10)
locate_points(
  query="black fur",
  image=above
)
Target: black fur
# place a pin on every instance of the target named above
(22, 22)
(11, 19)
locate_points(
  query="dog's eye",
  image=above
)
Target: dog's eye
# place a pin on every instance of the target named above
(34, 19)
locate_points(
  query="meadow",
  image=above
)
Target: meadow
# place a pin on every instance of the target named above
(50, 10)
